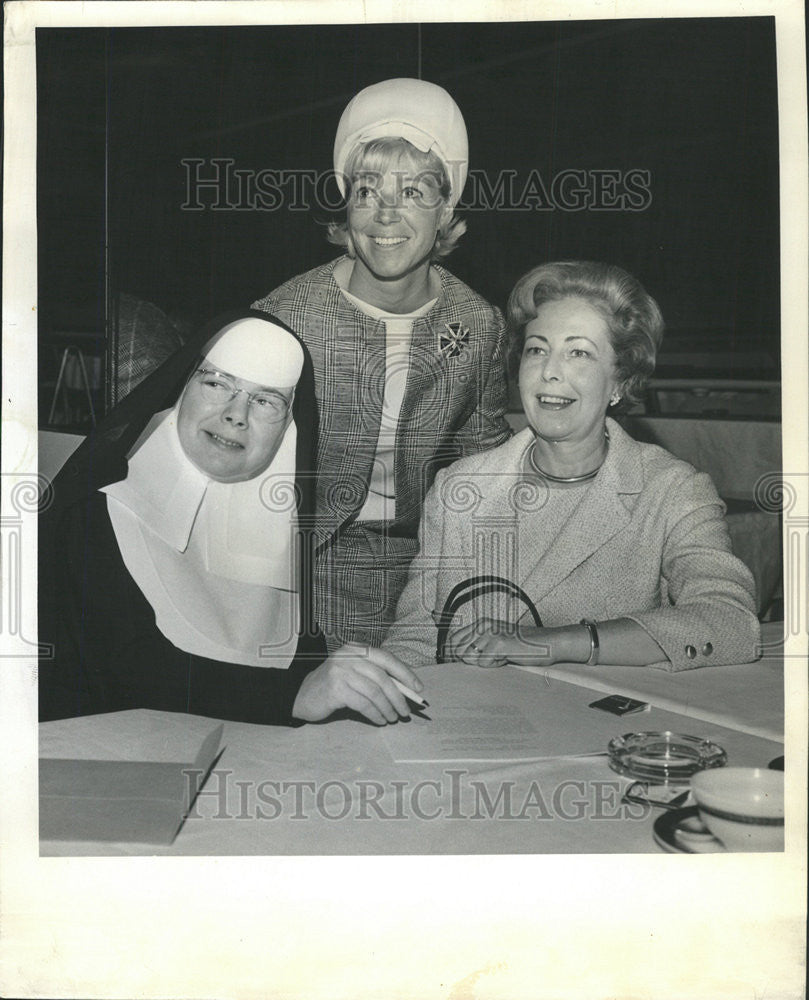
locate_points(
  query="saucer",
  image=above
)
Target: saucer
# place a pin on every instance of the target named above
(680, 831)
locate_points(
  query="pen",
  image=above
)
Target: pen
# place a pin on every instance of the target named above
(410, 694)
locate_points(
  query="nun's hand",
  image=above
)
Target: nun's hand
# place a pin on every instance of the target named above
(359, 678)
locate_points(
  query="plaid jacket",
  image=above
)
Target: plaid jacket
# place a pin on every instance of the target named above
(454, 401)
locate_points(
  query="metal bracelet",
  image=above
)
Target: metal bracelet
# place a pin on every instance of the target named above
(592, 632)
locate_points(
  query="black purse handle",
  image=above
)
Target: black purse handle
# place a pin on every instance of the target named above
(468, 590)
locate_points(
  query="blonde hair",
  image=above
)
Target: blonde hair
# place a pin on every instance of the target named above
(380, 155)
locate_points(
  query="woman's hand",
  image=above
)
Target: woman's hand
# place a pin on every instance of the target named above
(491, 643)
(488, 642)
(358, 678)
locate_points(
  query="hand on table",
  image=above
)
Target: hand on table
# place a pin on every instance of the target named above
(359, 678)
(488, 642)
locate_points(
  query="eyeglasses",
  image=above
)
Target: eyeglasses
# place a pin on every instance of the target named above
(268, 406)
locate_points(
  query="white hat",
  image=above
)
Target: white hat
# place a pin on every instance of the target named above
(422, 113)
(258, 351)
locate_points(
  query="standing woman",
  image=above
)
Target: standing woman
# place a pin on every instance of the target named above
(409, 361)
(172, 574)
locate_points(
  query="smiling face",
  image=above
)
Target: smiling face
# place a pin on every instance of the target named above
(393, 220)
(567, 372)
(226, 440)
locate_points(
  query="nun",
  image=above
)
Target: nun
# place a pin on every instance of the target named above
(174, 567)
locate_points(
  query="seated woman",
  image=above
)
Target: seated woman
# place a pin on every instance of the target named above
(174, 559)
(622, 548)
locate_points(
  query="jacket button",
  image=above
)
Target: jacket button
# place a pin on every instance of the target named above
(707, 649)
(690, 652)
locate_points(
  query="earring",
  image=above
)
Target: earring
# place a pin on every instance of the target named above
(615, 399)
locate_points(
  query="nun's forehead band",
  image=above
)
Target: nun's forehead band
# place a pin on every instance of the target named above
(258, 351)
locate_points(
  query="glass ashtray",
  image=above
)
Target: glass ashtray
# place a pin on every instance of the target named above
(666, 758)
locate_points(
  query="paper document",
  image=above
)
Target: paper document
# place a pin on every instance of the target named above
(496, 715)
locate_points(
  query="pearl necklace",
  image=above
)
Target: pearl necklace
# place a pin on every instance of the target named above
(567, 479)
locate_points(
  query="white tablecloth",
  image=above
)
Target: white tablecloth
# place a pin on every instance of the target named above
(335, 788)
(748, 697)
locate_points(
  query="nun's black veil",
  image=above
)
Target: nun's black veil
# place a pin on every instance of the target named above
(76, 550)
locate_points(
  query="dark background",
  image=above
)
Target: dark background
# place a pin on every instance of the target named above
(692, 101)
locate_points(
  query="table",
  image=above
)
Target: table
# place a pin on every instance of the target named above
(748, 697)
(334, 788)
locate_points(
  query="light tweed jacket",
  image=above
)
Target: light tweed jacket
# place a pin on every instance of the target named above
(648, 542)
(454, 401)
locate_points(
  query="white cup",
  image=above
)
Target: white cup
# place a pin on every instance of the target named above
(742, 806)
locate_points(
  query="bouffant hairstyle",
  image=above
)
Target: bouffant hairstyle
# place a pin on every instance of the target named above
(632, 316)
